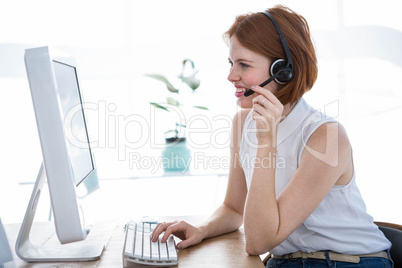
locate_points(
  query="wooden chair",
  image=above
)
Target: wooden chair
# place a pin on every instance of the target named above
(391, 231)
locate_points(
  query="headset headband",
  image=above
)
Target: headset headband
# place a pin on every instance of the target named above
(283, 40)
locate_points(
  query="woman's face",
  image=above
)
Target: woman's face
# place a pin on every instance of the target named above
(247, 68)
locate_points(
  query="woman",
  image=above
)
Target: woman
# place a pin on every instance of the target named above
(291, 180)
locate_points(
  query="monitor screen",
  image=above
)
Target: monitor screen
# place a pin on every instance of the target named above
(74, 121)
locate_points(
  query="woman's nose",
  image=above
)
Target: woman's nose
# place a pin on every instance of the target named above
(233, 76)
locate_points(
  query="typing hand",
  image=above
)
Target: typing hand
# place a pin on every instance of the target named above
(189, 234)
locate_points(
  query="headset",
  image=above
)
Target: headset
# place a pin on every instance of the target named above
(280, 70)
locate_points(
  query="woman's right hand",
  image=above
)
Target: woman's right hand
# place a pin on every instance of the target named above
(189, 234)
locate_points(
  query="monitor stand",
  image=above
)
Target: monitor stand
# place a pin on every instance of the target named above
(50, 249)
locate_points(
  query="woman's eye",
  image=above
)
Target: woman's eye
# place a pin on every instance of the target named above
(231, 64)
(243, 65)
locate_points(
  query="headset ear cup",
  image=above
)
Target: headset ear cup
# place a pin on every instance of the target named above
(286, 74)
(276, 66)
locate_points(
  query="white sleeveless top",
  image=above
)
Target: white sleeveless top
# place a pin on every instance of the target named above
(340, 223)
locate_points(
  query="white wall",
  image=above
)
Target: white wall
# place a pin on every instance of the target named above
(116, 42)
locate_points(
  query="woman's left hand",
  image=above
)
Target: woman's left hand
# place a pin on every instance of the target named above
(267, 112)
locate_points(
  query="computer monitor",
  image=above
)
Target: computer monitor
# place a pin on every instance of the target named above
(67, 159)
(6, 257)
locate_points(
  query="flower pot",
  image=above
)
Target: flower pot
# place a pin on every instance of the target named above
(176, 157)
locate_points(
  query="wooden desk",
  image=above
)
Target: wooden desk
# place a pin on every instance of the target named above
(223, 251)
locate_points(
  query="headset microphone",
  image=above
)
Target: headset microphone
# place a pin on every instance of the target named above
(269, 80)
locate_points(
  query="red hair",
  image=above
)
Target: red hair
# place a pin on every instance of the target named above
(257, 33)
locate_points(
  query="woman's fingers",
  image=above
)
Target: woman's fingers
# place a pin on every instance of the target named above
(189, 234)
(267, 113)
(188, 242)
(176, 228)
(267, 94)
(267, 102)
(160, 228)
(261, 103)
(169, 228)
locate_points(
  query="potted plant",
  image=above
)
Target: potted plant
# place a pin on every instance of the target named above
(176, 156)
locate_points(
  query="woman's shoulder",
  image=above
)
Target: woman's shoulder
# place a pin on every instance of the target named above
(329, 143)
(330, 132)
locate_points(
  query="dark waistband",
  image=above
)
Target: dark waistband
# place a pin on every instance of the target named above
(333, 256)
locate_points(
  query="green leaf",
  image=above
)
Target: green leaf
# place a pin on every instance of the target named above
(180, 125)
(163, 79)
(201, 107)
(190, 61)
(191, 81)
(173, 102)
(159, 106)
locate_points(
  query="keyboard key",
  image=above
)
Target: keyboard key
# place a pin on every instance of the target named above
(155, 250)
(162, 250)
(147, 228)
(171, 249)
(138, 245)
(139, 227)
(146, 251)
(129, 242)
